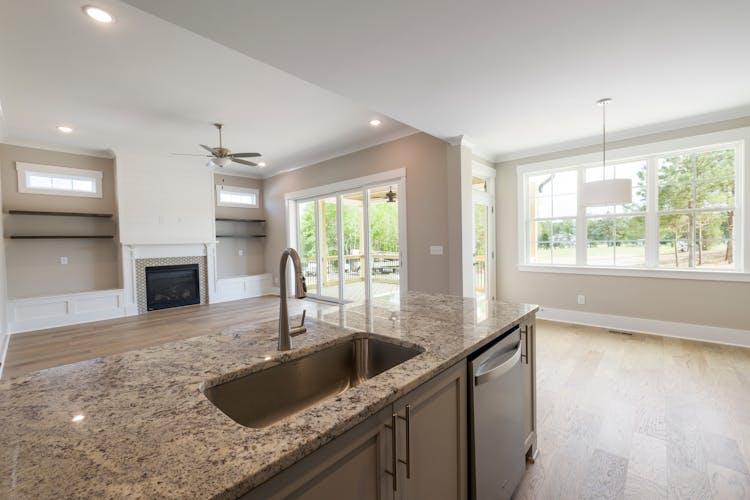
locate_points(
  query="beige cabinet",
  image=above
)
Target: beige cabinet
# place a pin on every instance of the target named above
(352, 466)
(432, 439)
(528, 359)
(430, 445)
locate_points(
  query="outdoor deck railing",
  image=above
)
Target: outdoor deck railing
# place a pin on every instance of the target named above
(386, 268)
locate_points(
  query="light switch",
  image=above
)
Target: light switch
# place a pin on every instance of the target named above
(436, 250)
(241, 252)
(63, 260)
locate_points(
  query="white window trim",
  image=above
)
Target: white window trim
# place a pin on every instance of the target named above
(739, 138)
(23, 169)
(236, 189)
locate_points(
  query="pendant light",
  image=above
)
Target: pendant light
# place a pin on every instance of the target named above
(390, 196)
(611, 191)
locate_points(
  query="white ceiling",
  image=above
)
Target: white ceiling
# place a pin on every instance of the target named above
(515, 76)
(146, 84)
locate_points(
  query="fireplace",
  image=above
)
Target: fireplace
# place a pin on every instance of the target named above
(172, 286)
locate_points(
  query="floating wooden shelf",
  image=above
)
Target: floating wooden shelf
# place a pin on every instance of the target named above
(57, 237)
(240, 220)
(240, 235)
(64, 214)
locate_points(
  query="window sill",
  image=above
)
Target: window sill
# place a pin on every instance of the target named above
(685, 274)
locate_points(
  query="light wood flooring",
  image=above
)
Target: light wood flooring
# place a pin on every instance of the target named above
(28, 352)
(641, 417)
(636, 417)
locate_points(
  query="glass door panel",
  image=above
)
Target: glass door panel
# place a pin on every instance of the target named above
(308, 243)
(353, 229)
(385, 261)
(481, 244)
(329, 247)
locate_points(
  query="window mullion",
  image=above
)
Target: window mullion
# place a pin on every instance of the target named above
(652, 216)
(581, 233)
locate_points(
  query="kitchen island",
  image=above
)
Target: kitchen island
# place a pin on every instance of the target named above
(139, 425)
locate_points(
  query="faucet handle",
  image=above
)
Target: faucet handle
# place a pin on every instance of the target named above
(299, 330)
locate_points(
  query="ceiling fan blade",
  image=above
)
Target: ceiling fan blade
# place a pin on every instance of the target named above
(243, 162)
(191, 154)
(246, 155)
(210, 150)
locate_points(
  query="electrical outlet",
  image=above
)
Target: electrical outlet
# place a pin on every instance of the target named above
(275, 281)
(436, 250)
(63, 260)
(240, 252)
(581, 300)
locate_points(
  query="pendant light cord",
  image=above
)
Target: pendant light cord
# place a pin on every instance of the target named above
(604, 135)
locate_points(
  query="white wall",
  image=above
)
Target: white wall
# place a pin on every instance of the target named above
(163, 199)
(4, 337)
(711, 303)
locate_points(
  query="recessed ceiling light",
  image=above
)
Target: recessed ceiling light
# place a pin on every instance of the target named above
(375, 122)
(64, 129)
(78, 418)
(262, 164)
(97, 14)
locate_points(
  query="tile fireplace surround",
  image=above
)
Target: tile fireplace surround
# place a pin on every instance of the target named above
(140, 276)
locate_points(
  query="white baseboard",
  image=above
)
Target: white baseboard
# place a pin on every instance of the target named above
(4, 341)
(715, 334)
(39, 313)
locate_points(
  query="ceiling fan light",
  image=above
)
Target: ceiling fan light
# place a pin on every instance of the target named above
(220, 162)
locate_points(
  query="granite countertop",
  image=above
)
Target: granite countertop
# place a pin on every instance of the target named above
(148, 431)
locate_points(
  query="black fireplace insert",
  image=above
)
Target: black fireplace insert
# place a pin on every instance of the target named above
(172, 286)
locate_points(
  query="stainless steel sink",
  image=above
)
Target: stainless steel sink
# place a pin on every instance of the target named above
(262, 398)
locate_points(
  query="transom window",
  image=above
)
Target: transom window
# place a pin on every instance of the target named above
(682, 213)
(60, 181)
(235, 196)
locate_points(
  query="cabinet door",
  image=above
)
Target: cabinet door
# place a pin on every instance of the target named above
(352, 466)
(432, 420)
(528, 339)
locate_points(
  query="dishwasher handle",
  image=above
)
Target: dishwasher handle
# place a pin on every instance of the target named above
(500, 367)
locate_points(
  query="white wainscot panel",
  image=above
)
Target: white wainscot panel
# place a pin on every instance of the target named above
(38, 313)
(242, 287)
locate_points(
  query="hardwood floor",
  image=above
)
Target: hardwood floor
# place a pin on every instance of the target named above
(33, 351)
(626, 417)
(639, 417)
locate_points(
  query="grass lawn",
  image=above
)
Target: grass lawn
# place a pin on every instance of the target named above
(630, 256)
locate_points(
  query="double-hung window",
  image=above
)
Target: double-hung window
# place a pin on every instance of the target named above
(684, 212)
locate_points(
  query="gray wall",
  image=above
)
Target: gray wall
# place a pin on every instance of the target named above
(424, 158)
(229, 262)
(722, 304)
(33, 266)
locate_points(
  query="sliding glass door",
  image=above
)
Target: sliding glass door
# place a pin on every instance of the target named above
(350, 242)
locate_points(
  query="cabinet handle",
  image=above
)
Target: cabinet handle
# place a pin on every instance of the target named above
(394, 451)
(408, 441)
(531, 332)
(525, 353)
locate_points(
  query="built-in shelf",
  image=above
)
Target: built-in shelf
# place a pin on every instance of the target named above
(240, 235)
(64, 214)
(57, 237)
(240, 220)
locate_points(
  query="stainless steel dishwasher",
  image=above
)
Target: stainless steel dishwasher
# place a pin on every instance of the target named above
(496, 414)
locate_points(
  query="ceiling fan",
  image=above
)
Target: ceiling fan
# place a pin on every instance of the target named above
(221, 156)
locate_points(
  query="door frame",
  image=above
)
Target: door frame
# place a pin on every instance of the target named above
(396, 177)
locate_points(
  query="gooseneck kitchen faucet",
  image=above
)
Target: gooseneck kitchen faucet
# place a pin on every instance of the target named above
(300, 292)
